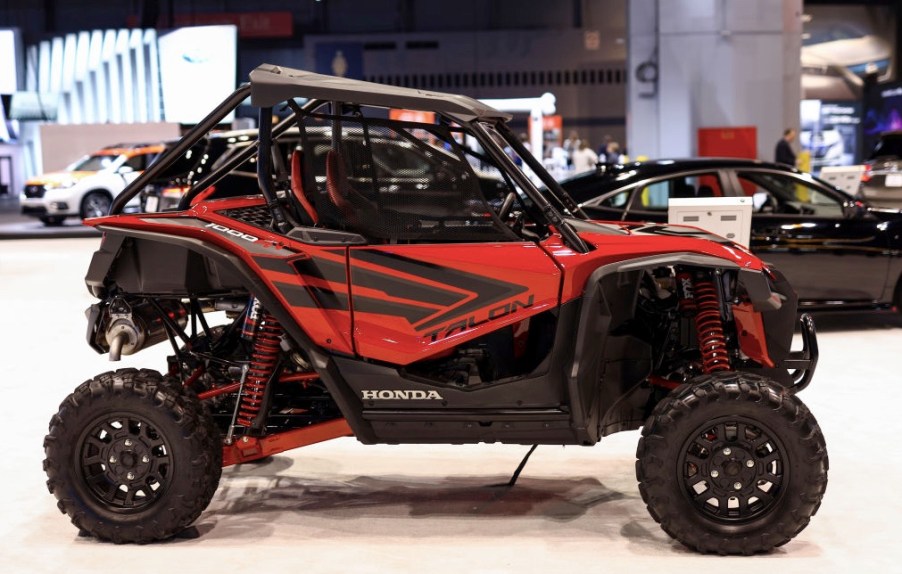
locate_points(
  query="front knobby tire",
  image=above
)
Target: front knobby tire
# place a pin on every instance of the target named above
(732, 464)
(130, 459)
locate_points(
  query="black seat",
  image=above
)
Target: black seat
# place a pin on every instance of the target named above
(681, 189)
(705, 191)
(297, 186)
(359, 214)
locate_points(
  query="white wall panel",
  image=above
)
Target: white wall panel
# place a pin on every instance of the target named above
(11, 72)
(152, 70)
(63, 144)
(110, 67)
(82, 85)
(126, 79)
(32, 70)
(139, 75)
(97, 78)
(70, 98)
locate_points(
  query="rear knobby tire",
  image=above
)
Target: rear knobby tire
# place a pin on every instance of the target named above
(732, 464)
(130, 459)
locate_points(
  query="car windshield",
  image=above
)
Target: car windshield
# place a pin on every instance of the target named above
(184, 167)
(888, 146)
(832, 34)
(96, 162)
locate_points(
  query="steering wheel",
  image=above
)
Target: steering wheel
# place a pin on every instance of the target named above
(506, 205)
(770, 205)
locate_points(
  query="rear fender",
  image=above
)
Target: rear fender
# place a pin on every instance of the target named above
(197, 267)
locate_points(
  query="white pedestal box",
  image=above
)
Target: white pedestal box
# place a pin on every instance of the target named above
(729, 217)
(845, 177)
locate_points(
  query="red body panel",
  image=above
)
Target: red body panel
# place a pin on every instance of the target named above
(414, 301)
(403, 303)
(271, 259)
(750, 328)
(637, 242)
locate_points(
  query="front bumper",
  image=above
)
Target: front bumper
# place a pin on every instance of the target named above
(803, 363)
(47, 205)
(34, 211)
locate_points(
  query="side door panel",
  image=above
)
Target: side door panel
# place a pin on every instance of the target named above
(825, 255)
(648, 201)
(411, 302)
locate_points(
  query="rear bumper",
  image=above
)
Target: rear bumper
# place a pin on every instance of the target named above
(879, 194)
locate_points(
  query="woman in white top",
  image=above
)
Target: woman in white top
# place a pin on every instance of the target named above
(584, 159)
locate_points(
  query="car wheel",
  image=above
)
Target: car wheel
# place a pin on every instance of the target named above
(130, 459)
(732, 464)
(95, 204)
(52, 220)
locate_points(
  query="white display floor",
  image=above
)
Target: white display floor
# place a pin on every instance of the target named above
(344, 507)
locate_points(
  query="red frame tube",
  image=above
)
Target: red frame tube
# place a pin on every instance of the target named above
(248, 448)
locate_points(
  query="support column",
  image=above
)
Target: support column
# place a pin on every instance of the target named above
(711, 63)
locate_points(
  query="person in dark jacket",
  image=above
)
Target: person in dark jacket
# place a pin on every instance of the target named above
(783, 152)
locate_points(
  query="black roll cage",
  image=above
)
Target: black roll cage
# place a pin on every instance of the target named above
(269, 132)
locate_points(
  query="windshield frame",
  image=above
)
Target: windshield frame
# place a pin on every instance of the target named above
(115, 161)
(562, 200)
(553, 215)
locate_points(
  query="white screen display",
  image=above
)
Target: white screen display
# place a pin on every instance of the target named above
(10, 55)
(197, 71)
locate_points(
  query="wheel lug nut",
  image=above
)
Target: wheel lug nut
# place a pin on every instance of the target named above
(750, 463)
(131, 476)
(714, 474)
(145, 459)
(112, 460)
(737, 485)
(128, 442)
(727, 452)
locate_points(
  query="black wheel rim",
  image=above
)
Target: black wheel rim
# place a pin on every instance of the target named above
(733, 470)
(125, 463)
(96, 205)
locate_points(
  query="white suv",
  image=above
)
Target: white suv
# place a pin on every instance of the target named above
(87, 187)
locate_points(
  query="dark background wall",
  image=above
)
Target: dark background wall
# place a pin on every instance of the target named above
(575, 49)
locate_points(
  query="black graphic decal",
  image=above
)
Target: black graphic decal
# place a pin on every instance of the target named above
(487, 291)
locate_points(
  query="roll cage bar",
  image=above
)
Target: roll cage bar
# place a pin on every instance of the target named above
(457, 109)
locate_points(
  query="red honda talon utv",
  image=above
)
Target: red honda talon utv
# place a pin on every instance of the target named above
(374, 285)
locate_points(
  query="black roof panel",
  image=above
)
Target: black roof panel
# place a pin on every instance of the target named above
(271, 85)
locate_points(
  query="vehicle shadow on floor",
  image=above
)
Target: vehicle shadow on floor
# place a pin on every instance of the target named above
(857, 321)
(255, 507)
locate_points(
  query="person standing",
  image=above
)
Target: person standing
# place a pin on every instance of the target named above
(584, 158)
(613, 154)
(783, 152)
(571, 144)
(603, 150)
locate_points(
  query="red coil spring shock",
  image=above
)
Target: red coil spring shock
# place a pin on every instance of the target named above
(701, 297)
(263, 362)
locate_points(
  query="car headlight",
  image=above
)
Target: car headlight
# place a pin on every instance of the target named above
(62, 184)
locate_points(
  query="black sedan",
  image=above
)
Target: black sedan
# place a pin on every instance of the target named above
(835, 250)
